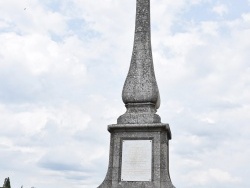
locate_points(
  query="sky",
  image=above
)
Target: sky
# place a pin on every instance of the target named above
(62, 68)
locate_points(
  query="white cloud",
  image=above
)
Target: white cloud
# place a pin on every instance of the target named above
(220, 9)
(210, 28)
(211, 175)
(62, 66)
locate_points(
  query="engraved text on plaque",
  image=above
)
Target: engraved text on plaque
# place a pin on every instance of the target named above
(136, 160)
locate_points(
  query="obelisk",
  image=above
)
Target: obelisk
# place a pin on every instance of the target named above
(139, 143)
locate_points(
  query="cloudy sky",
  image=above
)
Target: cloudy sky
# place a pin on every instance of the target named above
(62, 67)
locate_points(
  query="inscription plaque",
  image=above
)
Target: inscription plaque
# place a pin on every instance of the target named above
(136, 160)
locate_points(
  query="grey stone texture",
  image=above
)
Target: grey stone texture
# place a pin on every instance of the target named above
(140, 91)
(159, 134)
(140, 121)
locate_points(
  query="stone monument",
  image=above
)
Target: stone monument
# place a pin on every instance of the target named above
(139, 144)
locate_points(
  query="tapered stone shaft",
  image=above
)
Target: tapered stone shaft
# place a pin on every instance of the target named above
(132, 164)
(140, 91)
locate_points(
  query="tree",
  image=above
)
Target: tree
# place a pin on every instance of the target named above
(7, 183)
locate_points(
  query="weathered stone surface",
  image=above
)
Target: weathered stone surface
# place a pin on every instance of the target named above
(159, 134)
(140, 89)
(140, 122)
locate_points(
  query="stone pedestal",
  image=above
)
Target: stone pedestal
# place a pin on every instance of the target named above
(139, 129)
(159, 134)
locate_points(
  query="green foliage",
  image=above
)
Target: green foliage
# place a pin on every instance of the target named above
(6, 183)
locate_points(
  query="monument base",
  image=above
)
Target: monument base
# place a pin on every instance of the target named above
(154, 137)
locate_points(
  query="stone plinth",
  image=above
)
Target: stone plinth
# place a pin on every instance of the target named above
(140, 129)
(159, 134)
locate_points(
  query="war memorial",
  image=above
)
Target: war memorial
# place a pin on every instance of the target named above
(139, 143)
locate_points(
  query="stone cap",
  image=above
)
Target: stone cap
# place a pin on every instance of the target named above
(141, 127)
